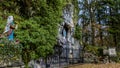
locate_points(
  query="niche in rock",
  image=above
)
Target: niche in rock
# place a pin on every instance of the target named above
(65, 31)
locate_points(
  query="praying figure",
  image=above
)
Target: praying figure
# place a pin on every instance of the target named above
(9, 28)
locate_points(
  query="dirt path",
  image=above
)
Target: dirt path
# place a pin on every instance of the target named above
(110, 65)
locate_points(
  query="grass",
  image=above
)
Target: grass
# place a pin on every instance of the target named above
(108, 65)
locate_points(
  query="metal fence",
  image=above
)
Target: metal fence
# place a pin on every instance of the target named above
(59, 60)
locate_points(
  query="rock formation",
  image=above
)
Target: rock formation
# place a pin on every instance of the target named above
(66, 31)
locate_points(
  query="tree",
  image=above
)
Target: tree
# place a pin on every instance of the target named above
(99, 20)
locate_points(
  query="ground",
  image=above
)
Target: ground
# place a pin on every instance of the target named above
(109, 65)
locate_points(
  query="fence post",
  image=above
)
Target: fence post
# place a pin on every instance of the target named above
(67, 56)
(59, 57)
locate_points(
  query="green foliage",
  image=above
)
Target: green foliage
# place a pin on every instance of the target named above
(96, 50)
(3, 24)
(92, 49)
(9, 50)
(76, 10)
(78, 32)
(38, 36)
